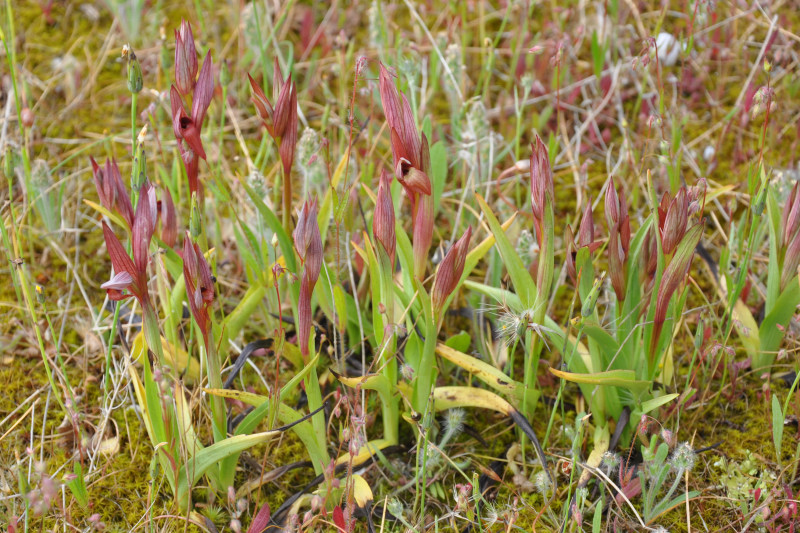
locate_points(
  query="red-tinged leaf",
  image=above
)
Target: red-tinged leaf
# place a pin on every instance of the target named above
(450, 269)
(586, 229)
(791, 217)
(338, 518)
(143, 227)
(205, 278)
(203, 91)
(289, 133)
(116, 252)
(105, 187)
(277, 79)
(791, 261)
(409, 134)
(616, 262)
(185, 58)
(308, 240)
(675, 221)
(389, 98)
(179, 116)
(199, 285)
(122, 200)
(169, 220)
(613, 210)
(423, 233)
(383, 219)
(263, 105)
(283, 108)
(261, 520)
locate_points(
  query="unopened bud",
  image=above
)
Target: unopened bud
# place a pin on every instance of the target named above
(135, 80)
(27, 117)
(591, 300)
(450, 270)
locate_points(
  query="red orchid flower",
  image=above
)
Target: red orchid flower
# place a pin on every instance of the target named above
(187, 128)
(412, 163)
(281, 122)
(308, 243)
(131, 274)
(199, 284)
(619, 237)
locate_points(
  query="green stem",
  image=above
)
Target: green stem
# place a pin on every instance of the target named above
(220, 425)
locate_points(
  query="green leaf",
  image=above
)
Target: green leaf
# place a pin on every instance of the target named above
(523, 282)
(77, 486)
(655, 403)
(770, 331)
(615, 378)
(274, 224)
(460, 341)
(206, 458)
(438, 172)
(777, 426)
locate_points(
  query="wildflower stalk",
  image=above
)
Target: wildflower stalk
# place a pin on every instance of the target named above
(134, 199)
(388, 362)
(542, 199)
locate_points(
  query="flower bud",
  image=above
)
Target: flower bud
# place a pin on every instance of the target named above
(675, 221)
(541, 176)
(135, 80)
(27, 117)
(139, 169)
(591, 299)
(791, 216)
(586, 229)
(383, 217)
(616, 262)
(450, 270)
(308, 243)
(185, 59)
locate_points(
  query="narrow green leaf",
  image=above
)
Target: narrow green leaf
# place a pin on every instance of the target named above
(777, 426)
(523, 282)
(616, 378)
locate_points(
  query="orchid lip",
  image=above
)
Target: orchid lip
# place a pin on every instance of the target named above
(120, 280)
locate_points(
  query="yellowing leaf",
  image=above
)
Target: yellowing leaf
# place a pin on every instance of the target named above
(362, 494)
(176, 358)
(615, 378)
